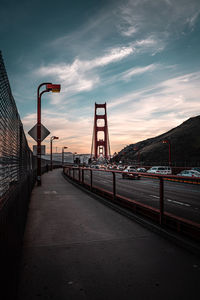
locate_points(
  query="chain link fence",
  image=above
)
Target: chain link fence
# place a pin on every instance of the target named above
(17, 178)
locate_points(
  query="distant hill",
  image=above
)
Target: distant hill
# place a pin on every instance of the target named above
(185, 147)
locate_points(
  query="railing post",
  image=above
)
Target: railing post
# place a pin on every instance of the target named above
(73, 173)
(114, 185)
(70, 172)
(79, 174)
(91, 180)
(161, 200)
(82, 176)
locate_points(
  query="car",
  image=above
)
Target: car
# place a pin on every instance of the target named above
(114, 167)
(102, 167)
(131, 173)
(143, 170)
(109, 167)
(160, 170)
(189, 173)
(196, 169)
(94, 166)
(120, 168)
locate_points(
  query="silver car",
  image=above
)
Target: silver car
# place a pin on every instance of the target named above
(189, 173)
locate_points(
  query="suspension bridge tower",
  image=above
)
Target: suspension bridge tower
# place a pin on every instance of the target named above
(100, 144)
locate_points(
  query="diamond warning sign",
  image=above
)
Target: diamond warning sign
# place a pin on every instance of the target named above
(44, 132)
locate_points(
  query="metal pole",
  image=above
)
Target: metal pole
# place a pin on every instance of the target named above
(169, 154)
(38, 139)
(91, 180)
(114, 186)
(39, 95)
(161, 200)
(82, 176)
(79, 175)
(51, 155)
(62, 156)
(138, 158)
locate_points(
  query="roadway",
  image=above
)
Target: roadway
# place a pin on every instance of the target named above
(181, 199)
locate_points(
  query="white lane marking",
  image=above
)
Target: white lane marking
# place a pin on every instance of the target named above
(177, 202)
(154, 196)
(173, 201)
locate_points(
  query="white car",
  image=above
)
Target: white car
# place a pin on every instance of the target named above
(143, 170)
(134, 174)
(160, 170)
(120, 168)
(189, 173)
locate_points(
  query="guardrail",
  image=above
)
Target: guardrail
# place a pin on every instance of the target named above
(157, 215)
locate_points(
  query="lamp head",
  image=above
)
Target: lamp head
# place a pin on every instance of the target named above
(54, 88)
(54, 137)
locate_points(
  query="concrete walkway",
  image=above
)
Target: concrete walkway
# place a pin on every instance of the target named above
(77, 248)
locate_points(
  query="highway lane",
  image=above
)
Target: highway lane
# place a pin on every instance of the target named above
(181, 199)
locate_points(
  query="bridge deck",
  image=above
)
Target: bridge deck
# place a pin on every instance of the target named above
(77, 248)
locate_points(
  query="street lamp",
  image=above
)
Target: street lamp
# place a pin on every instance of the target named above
(168, 142)
(63, 154)
(74, 155)
(54, 88)
(52, 138)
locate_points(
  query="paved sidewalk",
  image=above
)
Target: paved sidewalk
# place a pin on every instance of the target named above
(77, 248)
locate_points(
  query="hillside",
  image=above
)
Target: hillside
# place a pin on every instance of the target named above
(185, 147)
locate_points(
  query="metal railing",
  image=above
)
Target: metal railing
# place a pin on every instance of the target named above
(157, 214)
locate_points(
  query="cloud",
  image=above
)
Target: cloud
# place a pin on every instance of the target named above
(150, 112)
(185, 85)
(137, 71)
(163, 19)
(67, 71)
(83, 75)
(193, 19)
(115, 54)
(129, 31)
(80, 76)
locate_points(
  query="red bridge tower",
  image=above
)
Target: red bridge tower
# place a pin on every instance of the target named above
(101, 146)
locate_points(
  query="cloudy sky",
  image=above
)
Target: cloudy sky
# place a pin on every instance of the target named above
(141, 57)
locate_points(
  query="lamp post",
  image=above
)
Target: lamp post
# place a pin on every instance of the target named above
(55, 88)
(74, 153)
(168, 142)
(63, 154)
(51, 140)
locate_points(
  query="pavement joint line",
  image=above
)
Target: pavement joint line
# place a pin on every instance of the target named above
(182, 242)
